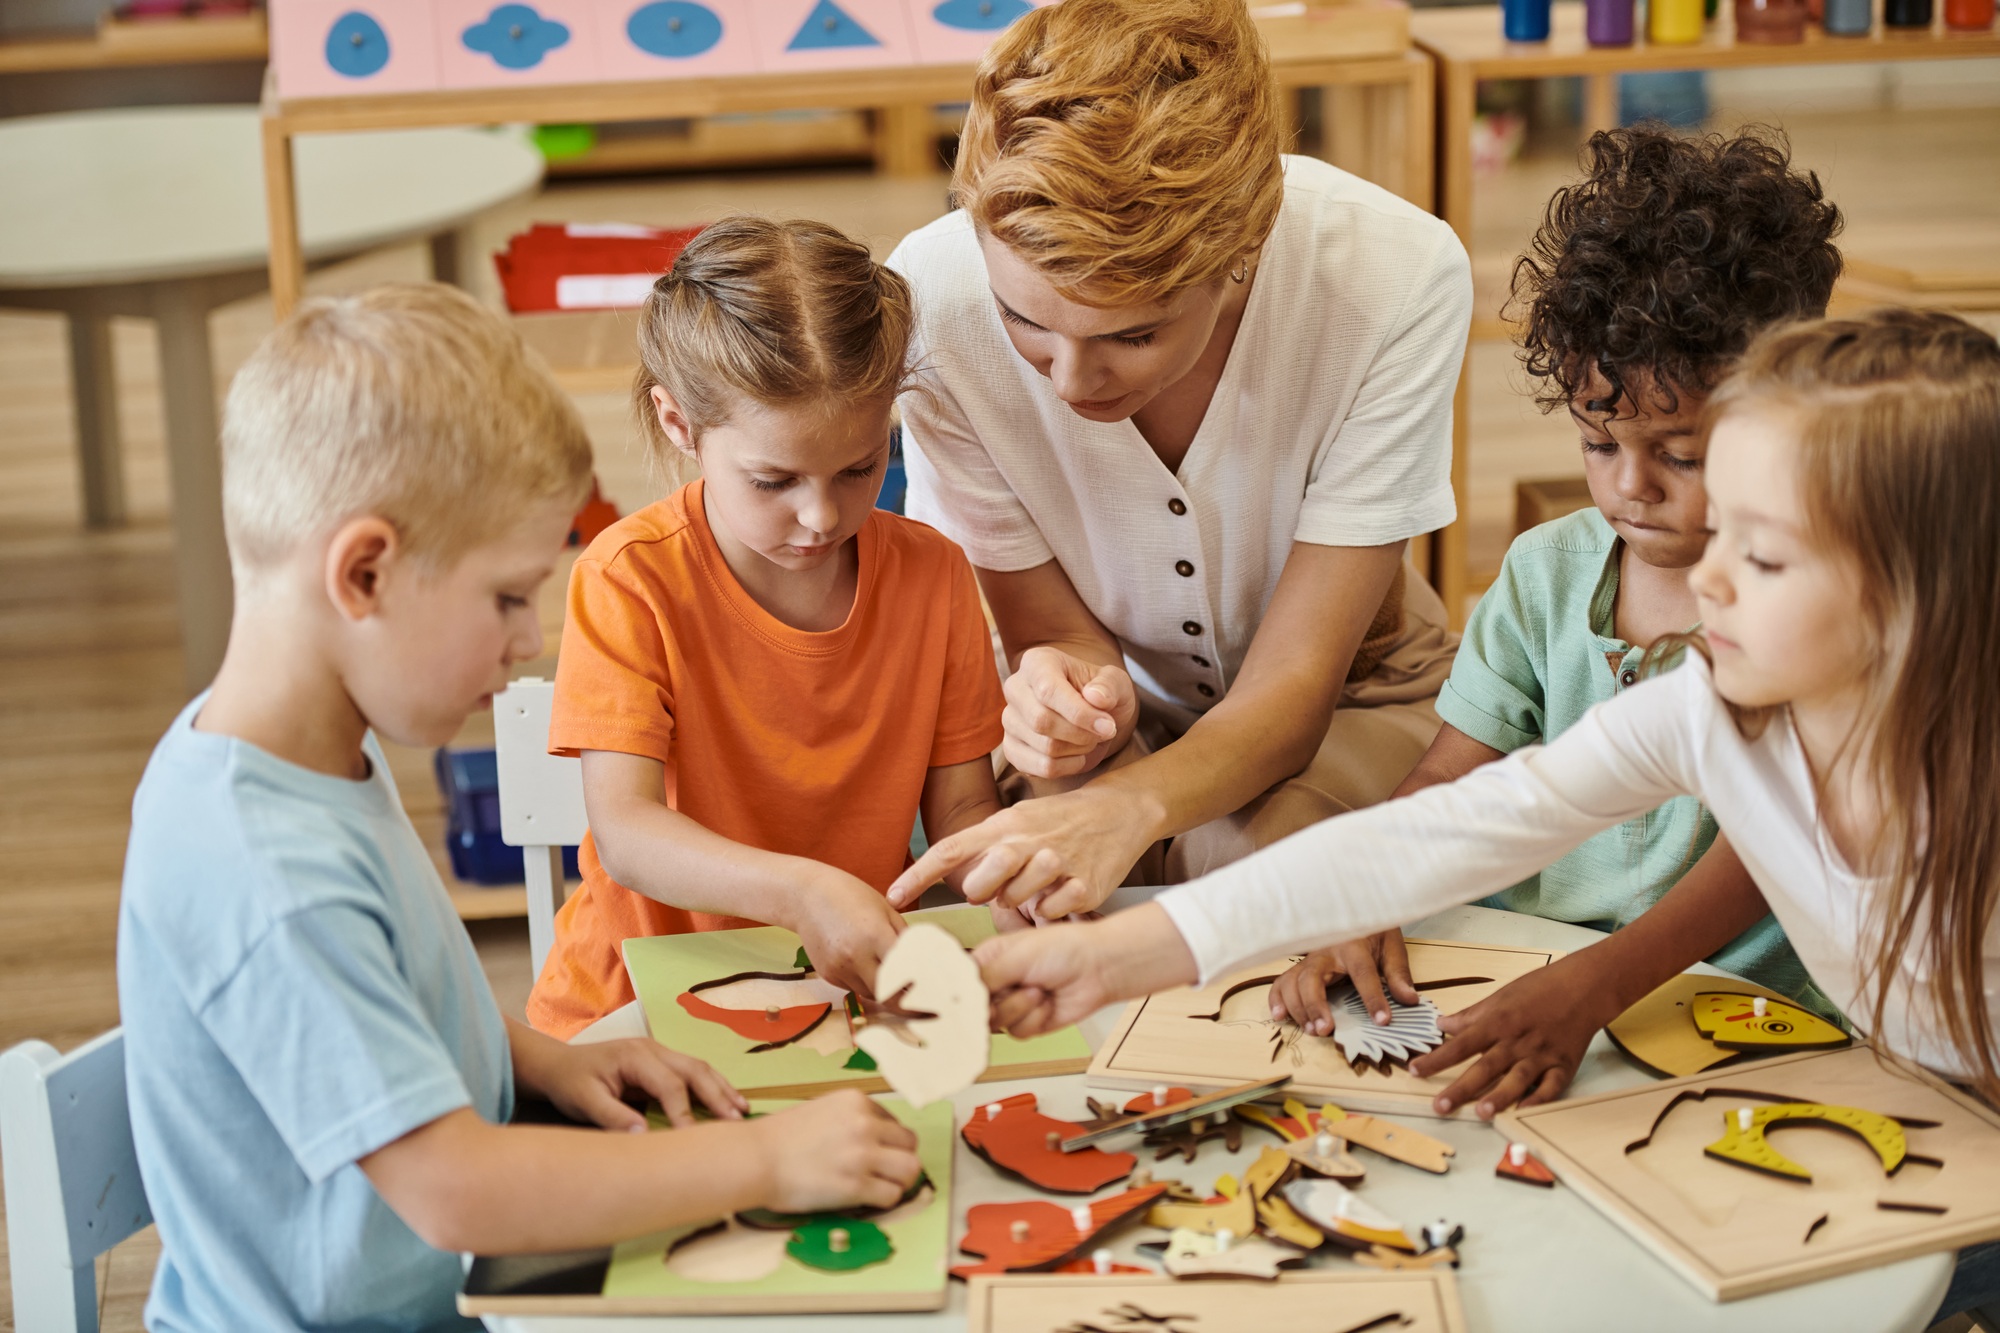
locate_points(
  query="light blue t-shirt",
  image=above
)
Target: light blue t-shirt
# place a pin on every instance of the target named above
(296, 992)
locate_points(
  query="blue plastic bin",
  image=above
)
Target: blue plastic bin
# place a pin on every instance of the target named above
(470, 783)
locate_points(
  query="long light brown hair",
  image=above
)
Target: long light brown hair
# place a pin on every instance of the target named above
(1127, 149)
(1897, 415)
(778, 313)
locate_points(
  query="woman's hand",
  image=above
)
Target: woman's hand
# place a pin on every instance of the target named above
(845, 927)
(1065, 714)
(1371, 964)
(590, 1083)
(1046, 979)
(836, 1151)
(1070, 851)
(1530, 1037)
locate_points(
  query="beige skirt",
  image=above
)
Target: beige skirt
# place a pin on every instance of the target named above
(1382, 725)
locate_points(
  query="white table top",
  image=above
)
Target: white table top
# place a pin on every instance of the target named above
(1541, 1260)
(145, 194)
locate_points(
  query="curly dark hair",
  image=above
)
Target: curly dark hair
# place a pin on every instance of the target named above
(1668, 257)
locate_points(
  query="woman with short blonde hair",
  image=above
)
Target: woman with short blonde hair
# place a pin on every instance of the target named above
(1185, 400)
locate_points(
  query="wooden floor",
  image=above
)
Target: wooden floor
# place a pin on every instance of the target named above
(89, 655)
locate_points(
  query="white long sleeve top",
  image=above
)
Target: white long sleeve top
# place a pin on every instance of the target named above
(1389, 864)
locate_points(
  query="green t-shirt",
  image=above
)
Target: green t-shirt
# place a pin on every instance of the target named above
(1539, 652)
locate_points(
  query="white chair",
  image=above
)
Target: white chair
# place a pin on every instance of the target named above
(73, 1187)
(541, 802)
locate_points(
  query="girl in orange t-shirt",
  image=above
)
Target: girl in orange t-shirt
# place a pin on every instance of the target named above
(766, 677)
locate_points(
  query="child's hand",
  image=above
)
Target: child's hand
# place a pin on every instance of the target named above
(1300, 994)
(590, 1082)
(1046, 979)
(837, 1151)
(845, 927)
(1530, 1035)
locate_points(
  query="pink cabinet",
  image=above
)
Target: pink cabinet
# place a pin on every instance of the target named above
(503, 43)
(336, 48)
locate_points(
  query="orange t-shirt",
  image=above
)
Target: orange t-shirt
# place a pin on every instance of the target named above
(811, 744)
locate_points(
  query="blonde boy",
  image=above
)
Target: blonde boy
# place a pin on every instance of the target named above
(319, 1077)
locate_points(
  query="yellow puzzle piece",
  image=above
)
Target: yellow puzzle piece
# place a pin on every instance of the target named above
(1745, 1144)
(1733, 1023)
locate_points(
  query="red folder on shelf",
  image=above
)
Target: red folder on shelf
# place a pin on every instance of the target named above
(586, 266)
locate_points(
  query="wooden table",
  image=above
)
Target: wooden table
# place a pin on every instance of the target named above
(1467, 46)
(153, 213)
(1384, 110)
(1533, 1259)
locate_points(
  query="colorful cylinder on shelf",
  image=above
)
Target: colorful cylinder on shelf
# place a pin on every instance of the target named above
(1525, 20)
(1674, 22)
(1968, 15)
(1849, 18)
(1607, 22)
(1906, 13)
(1771, 22)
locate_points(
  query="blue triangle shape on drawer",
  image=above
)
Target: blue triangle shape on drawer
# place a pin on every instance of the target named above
(830, 26)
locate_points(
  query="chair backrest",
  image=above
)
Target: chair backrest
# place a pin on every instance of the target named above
(73, 1187)
(541, 801)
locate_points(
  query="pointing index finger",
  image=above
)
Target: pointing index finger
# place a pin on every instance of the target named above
(940, 860)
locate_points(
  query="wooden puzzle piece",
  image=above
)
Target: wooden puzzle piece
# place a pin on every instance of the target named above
(1517, 1163)
(1659, 1032)
(1344, 1218)
(1186, 1139)
(1390, 1261)
(929, 1037)
(839, 1245)
(1233, 1210)
(1019, 1140)
(770, 1028)
(1411, 1030)
(920, 1193)
(1744, 1128)
(1397, 1142)
(773, 1009)
(1325, 1154)
(1272, 1169)
(1149, 1120)
(1197, 1254)
(1738, 1022)
(1036, 1235)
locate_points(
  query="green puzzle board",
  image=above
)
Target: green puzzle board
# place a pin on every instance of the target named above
(913, 1278)
(662, 967)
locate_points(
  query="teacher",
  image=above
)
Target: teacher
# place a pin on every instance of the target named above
(1183, 401)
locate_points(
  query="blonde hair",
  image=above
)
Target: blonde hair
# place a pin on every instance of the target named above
(1897, 417)
(779, 313)
(1127, 149)
(410, 402)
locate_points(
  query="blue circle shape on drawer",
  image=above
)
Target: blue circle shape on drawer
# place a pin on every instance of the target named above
(356, 46)
(674, 29)
(980, 15)
(516, 36)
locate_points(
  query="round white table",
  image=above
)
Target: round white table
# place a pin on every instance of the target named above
(1540, 1260)
(158, 213)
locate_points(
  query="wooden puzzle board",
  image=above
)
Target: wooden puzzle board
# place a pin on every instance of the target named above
(662, 967)
(639, 1281)
(1736, 1232)
(1309, 1302)
(1164, 1039)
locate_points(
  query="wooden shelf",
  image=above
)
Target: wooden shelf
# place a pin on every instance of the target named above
(475, 903)
(204, 41)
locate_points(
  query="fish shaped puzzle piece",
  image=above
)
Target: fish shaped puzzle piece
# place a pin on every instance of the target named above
(1018, 1139)
(1345, 1218)
(770, 1027)
(1743, 1142)
(1037, 1236)
(1734, 1023)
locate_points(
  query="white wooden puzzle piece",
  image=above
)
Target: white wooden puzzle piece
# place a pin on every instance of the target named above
(944, 1050)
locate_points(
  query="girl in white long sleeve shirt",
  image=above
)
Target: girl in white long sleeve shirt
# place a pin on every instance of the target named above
(1841, 717)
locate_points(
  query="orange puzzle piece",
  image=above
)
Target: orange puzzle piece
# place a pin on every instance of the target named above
(1018, 1139)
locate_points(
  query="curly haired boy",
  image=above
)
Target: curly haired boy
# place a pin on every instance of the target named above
(1646, 280)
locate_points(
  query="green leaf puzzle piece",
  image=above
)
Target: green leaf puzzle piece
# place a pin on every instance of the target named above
(812, 1244)
(802, 962)
(860, 1060)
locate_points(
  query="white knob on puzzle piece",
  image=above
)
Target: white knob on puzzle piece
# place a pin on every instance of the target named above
(1224, 1238)
(1080, 1215)
(1100, 1260)
(1019, 1231)
(1517, 1153)
(1323, 1145)
(1760, 1006)
(837, 1240)
(1159, 1094)
(1743, 1117)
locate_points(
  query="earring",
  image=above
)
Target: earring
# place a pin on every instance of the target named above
(1242, 271)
